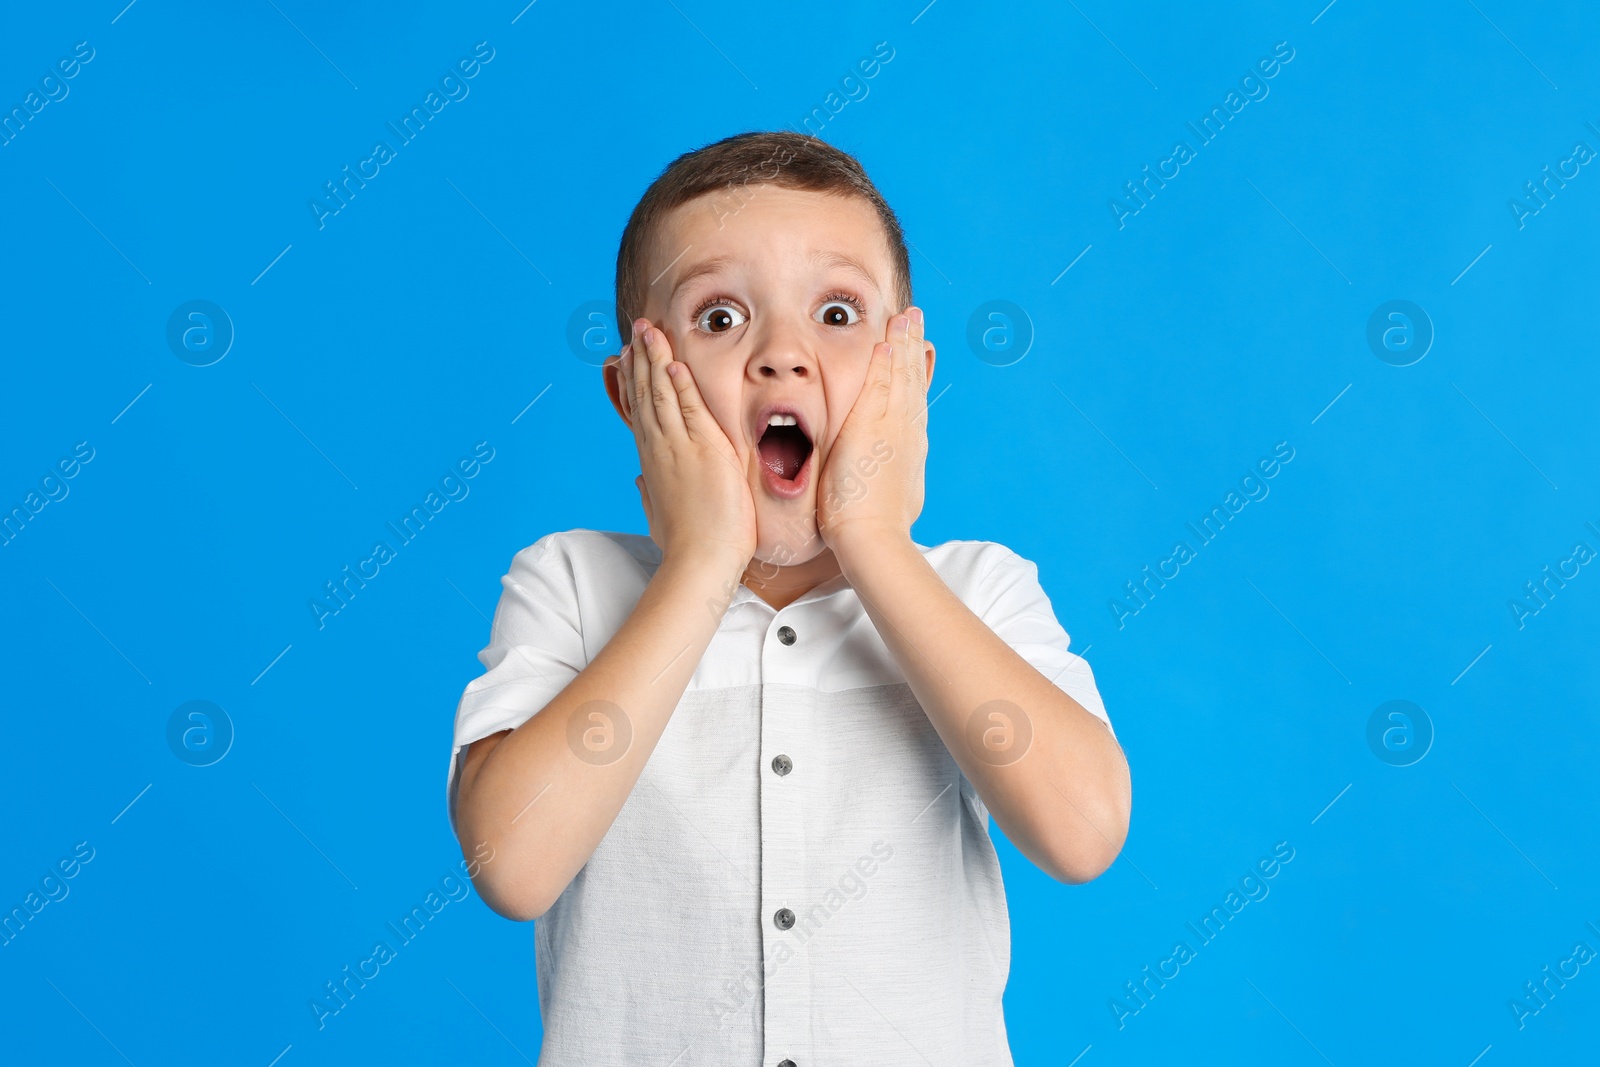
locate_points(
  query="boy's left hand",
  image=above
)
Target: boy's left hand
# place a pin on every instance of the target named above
(871, 482)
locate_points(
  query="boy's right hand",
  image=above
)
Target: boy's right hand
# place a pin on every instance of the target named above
(695, 492)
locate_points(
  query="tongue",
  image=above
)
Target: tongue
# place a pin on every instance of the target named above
(783, 450)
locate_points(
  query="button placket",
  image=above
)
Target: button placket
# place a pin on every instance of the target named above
(787, 988)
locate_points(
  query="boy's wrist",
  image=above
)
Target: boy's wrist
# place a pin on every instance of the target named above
(858, 546)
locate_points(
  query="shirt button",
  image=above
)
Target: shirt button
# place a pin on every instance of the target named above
(785, 1063)
(782, 764)
(786, 635)
(784, 918)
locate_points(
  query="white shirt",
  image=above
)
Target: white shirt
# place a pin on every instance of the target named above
(802, 872)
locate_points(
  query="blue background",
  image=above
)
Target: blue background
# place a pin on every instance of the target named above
(1225, 316)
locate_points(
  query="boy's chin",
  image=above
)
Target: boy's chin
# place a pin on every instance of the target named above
(788, 540)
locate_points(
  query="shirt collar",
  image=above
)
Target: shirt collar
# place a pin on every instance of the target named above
(837, 584)
(833, 586)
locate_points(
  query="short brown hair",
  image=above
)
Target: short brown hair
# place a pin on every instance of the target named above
(781, 158)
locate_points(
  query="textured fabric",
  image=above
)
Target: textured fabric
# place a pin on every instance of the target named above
(664, 949)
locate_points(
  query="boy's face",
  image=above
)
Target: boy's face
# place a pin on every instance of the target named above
(776, 302)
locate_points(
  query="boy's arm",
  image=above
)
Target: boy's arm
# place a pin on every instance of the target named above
(542, 806)
(522, 791)
(1065, 802)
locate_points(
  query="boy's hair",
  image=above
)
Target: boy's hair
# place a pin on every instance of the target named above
(780, 158)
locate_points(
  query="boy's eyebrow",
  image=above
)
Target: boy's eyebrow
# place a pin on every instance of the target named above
(839, 259)
(704, 267)
(821, 259)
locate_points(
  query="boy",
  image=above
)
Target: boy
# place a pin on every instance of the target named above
(742, 769)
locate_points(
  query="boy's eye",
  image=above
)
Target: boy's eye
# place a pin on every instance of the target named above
(837, 313)
(720, 318)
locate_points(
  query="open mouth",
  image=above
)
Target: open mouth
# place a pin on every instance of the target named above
(784, 448)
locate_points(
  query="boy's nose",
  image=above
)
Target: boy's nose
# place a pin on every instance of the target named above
(777, 368)
(783, 351)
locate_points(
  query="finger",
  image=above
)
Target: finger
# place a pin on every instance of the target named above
(900, 343)
(644, 406)
(690, 403)
(698, 422)
(630, 379)
(880, 379)
(625, 386)
(907, 347)
(629, 361)
(664, 395)
(918, 349)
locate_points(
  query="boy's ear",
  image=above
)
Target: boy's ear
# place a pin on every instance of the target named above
(611, 374)
(928, 364)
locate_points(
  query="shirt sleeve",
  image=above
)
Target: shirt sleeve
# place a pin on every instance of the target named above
(1019, 612)
(535, 649)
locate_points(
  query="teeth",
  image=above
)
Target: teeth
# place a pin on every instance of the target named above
(783, 420)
